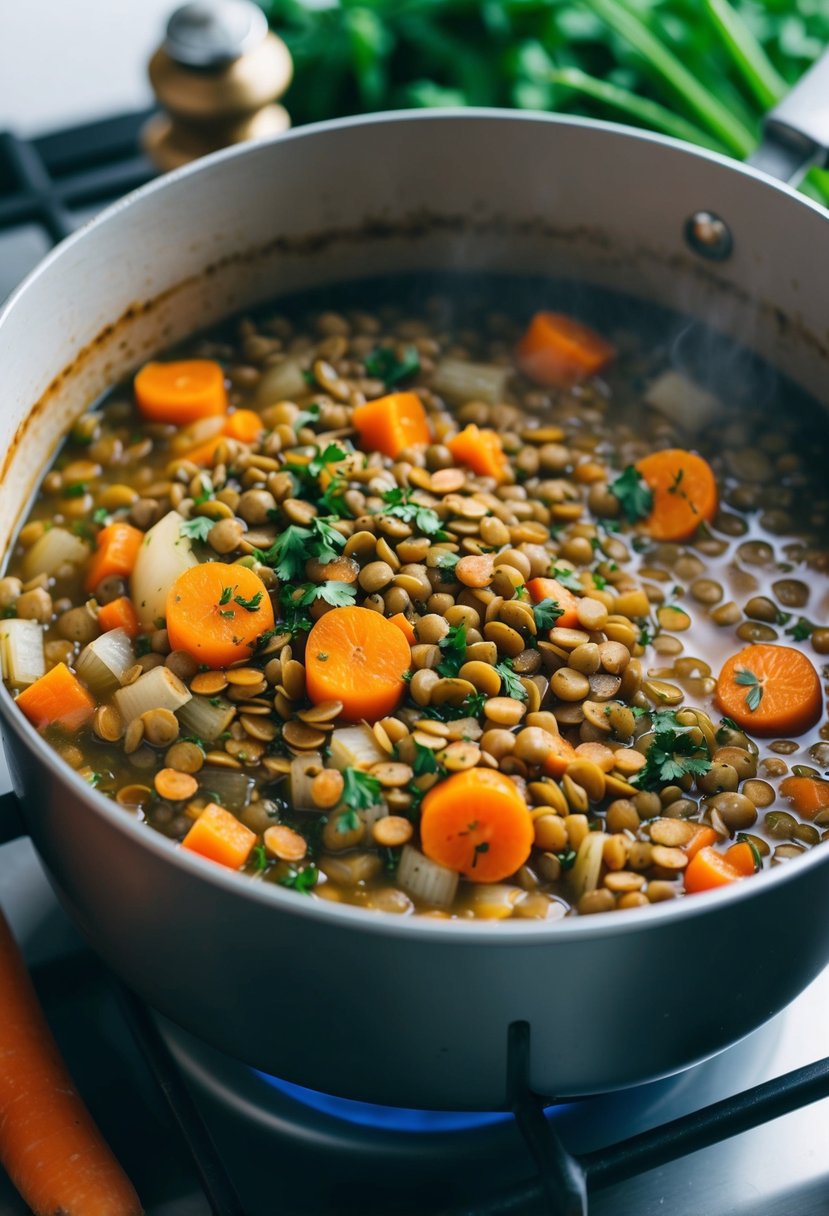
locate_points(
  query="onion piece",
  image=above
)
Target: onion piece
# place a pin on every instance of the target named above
(682, 401)
(164, 555)
(354, 747)
(283, 382)
(206, 717)
(584, 875)
(459, 381)
(303, 771)
(158, 688)
(425, 879)
(54, 549)
(230, 787)
(21, 651)
(103, 664)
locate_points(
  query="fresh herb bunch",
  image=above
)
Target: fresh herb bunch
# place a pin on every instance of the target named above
(672, 754)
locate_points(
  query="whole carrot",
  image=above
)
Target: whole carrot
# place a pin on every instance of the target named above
(49, 1144)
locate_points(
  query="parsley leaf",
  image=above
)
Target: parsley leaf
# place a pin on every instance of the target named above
(331, 454)
(755, 689)
(226, 596)
(424, 519)
(385, 365)
(332, 591)
(726, 725)
(567, 578)
(512, 685)
(546, 612)
(288, 553)
(305, 416)
(326, 540)
(196, 528)
(453, 646)
(446, 561)
(206, 490)
(635, 497)
(360, 790)
(472, 707)
(801, 630)
(425, 760)
(100, 515)
(672, 754)
(303, 880)
(250, 605)
(259, 858)
(75, 491)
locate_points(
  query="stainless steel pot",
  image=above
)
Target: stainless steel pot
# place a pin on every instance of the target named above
(411, 1011)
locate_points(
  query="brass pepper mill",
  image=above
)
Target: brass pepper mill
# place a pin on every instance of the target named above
(217, 75)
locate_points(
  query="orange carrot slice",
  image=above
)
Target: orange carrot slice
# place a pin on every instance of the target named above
(481, 450)
(741, 857)
(684, 493)
(478, 824)
(119, 614)
(559, 351)
(770, 690)
(561, 754)
(356, 656)
(702, 838)
(808, 795)
(116, 549)
(215, 612)
(551, 589)
(709, 869)
(49, 1145)
(57, 699)
(219, 836)
(392, 423)
(405, 626)
(244, 425)
(180, 392)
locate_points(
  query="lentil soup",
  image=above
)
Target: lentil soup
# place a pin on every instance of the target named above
(412, 602)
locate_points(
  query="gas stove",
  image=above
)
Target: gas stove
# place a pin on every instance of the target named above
(743, 1134)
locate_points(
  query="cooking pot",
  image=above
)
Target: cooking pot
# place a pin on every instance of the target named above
(412, 1011)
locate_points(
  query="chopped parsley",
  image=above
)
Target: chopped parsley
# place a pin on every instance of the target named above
(801, 630)
(347, 821)
(567, 859)
(453, 647)
(360, 791)
(672, 754)
(472, 707)
(425, 760)
(635, 497)
(75, 491)
(259, 858)
(332, 453)
(292, 548)
(249, 605)
(545, 613)
(567, 578)
(196, 528)
(100, 515)
(424, 519)
(226, 596)
(742, 838)
(385, 365)
(725, 727)
(755, 689)
(303, 880)
(206, 490)
(333, 591)
(510, 682)
(304, 417)
(446, 561)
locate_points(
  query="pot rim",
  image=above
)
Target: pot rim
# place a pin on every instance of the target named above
(540, 933)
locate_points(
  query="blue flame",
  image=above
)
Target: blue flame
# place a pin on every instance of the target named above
(386, 1118)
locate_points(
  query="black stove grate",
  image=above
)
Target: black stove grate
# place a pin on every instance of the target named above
(50, 182)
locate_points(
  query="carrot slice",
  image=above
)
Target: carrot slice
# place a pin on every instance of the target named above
(116, 549)
(481, 450)
(244, 425)
(219, 836)
(392, 423)
(119, 614)
(478, 824)
(684, 493)
(741, 857)
(808, 795)
(702, 838)
(49, 1144)
(405, 626)
(551, 589)
(356, 656)
(558, 351)
(215, 612)
(561, 754)
(709, 869)
(57, 699)
(180, 392)
(770, 690)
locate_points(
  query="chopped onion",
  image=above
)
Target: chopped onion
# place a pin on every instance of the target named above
(54, 549)
(207, 717)
(103, 664)
(354, 747)
(459, 381)
(21, 651)
(303, 771)
(682, 401)
(158, 688)
(164, 555)
(584, 875)
(230, 787)
(283, 382)
(425, 879)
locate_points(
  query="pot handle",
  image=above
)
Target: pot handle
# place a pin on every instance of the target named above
(796, 131)
(11, 821)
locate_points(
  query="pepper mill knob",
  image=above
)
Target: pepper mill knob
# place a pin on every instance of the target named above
(217, 75)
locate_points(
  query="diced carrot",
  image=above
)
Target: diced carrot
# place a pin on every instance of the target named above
(57, 699)
(559, 351)
(551, 589)
(741, 857)
(49, 1145)
(684, 493)
(392, 423)
(405, 626)
(702, 838)
(770, 690)
(119, 614)
(244, 425)
(476, 823)
(561, 754)
(709, 869)
(218, 835)
(808, 795)
(215, 612)
(180, 392)
(204, 453)
(481, 450)
(117, 547)
(358, 657)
